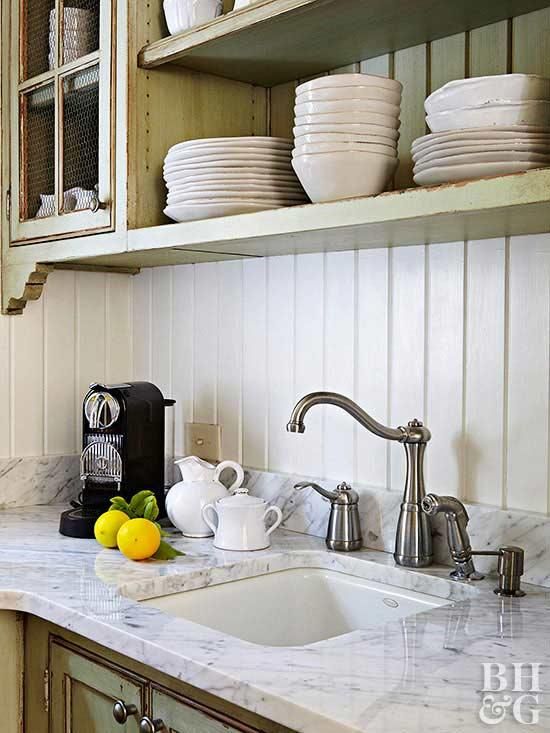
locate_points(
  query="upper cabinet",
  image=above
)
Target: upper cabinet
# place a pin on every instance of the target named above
(61, 118)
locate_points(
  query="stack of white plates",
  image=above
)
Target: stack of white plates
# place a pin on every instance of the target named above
(229, 175)
(346, 132)
(484, 126)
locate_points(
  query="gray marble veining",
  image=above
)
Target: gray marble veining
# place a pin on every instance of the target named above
(421, 674)
(38, 480)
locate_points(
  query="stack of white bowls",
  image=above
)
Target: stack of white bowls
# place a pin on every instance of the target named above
(229, 175)
(484, 126)
(346, 132)
(79, 34)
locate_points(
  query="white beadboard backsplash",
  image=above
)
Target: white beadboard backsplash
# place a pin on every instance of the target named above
(455, 334)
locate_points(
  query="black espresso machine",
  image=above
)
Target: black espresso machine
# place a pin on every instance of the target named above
(122, 450)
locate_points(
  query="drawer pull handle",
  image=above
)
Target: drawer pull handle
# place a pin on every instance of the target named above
(146, 725)
(121, 711)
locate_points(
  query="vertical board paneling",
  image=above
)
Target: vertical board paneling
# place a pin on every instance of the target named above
(447, 60)
(118, 328)
(254, 361)
(406, 347)
(183, 298)
(161, 329)
(531, 43)
(280, 361)
(484, 389)
(308, 358)
(5, 377)
(444, 367)
(229, 357)
(528, 373)
(411, 70)
(281, 109)
(339, 347)
(381, 65)
(205, 347)
(489, 49)
(142, 295)
(372, 362)
(27, 398)
(59, 365)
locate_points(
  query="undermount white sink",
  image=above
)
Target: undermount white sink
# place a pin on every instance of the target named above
(295, 607)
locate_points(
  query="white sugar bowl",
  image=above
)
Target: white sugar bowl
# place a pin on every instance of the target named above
(238, 522)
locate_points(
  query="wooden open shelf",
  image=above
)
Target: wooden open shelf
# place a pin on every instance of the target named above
(274, 41)
(493, 207)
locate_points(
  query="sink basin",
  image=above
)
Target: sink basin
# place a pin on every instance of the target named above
(294, 607)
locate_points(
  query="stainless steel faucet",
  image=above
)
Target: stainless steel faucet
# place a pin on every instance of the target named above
(344, 526)
(413, 542)
(510, 558)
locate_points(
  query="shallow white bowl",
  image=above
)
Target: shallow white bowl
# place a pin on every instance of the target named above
(483, 134)
(342, 118)
(329, 94)
(487, 89)
(310, 148)
(282, 186)
(351, 128)
(184, 14)
(439, 151)
(336, 176)
(192, 212)
(343, 137)
(253, 196)
(202, 157)
(243, 141)
(349, 80)
(234, 164)
(487, 115)
(346, 105)
(497, 156)
(455, 173)
(239, 175)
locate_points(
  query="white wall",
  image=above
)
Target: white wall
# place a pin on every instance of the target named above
(455, 334)
(77, 332)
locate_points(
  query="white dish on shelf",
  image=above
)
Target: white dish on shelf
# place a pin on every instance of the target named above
(455, 173)
(229, 165)
(197, 157)
(239, 176)
(336, 176)
(350, 128)
(194, 212)
(487, 89)
(307, 149)
(243, 141)
(184, 14)
(517, 132)
(342, 137)
(208, 197)
(494, 114)
(452, 149)
(349, 80)
(293, 187)
(346, 118)
(490, 157)
(353, 92)
(346, 105)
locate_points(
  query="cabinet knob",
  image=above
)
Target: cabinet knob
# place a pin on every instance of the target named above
(121, 711)
(95, 203)
(146, 725)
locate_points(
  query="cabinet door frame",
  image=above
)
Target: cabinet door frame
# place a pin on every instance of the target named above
(77, 222)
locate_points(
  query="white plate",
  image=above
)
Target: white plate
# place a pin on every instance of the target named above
(222, 152)
(474, 158)
(240, 185)
(268, 178)
(349, 80)
(192, 212)
(251, 140)
(242, 194)
(307, 149)
(228, 159)
(346, 105)
(455, 173)
(488, 115)
(190, 171)
(439, 151)
(483, 135)
(219, 197)
(345, 118)
(354, 92)
(348, 129)
(486, 89)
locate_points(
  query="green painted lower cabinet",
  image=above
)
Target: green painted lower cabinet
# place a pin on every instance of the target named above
(72, 685)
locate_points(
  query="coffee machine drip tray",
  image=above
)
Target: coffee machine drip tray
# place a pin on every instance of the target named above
(101, 462)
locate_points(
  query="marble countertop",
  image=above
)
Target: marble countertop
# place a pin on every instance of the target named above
(419, 674)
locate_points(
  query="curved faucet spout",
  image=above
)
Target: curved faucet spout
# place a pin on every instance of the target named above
(297, 425)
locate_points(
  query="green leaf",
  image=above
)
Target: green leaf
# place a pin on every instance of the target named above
(167, 552)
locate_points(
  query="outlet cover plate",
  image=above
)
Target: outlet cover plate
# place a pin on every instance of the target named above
(203, 440)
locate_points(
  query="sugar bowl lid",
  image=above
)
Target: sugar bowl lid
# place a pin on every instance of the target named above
(240, 498)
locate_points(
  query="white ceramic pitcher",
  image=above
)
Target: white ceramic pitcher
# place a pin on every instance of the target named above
(240, 521)
(200, 485)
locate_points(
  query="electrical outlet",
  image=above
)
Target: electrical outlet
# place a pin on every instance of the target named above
(203, 440)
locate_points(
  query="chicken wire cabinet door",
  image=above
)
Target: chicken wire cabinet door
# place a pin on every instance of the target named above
(62, 116)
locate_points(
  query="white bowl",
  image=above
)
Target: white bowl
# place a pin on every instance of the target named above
(488, 115)
(487, 89)
(455, 173)
(329, 94)
(440, 151)
(496, 156)
(343, 137)
(377, 131)
(336, 176)
(192, 212)
(347, 105)
(343, 118)
(184, 14)
(310, 148)
(349, 80)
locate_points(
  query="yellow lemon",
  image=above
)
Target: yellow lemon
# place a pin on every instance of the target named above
(138, 539)
(107, 526)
